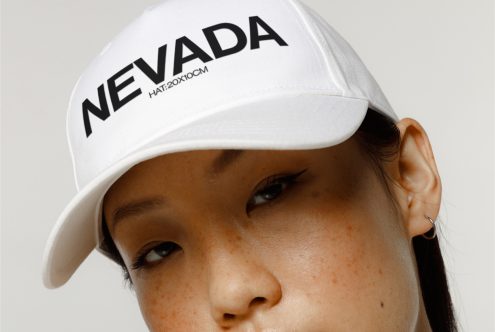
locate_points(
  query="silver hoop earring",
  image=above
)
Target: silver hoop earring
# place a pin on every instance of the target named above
(431, 237)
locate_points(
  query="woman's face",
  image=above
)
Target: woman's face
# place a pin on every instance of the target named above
(299, 240)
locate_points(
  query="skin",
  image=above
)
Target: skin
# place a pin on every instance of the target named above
(330, 253)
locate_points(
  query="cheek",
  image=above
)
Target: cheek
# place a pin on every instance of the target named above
(352, 263)
(167, 309)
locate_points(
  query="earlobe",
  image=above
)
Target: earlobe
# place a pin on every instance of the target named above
(418, 178)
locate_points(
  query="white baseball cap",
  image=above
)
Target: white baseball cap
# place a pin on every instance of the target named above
(204, 74)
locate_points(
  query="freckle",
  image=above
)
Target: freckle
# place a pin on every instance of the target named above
(334, 278)
(315, 194)
(349, 230)
(153, 302)
(380, 271)
(381, 304)
(238, 237)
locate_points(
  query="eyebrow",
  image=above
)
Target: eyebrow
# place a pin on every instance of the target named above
(219, 165)
(223, 161)
(135, 208)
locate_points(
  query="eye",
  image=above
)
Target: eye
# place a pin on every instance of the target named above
(271, 188)
(148, 257)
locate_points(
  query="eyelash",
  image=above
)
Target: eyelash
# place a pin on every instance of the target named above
(140, 261)
(288, 179)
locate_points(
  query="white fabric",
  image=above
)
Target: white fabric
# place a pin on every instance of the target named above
(305, 89)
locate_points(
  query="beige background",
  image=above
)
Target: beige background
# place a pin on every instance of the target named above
(433, 59)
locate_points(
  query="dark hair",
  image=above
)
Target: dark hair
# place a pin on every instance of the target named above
(379, 138)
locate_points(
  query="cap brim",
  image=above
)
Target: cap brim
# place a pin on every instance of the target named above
(280, 122)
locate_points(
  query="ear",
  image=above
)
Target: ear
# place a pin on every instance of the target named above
(419, 188)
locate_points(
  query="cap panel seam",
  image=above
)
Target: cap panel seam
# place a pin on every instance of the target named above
(319, 40)
(326, 45)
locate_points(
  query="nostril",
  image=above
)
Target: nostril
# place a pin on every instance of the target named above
(228, 316)
(257, 300)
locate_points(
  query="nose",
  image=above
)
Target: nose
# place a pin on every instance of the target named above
(239, 286)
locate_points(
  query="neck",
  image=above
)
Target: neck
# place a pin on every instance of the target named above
(423, 324)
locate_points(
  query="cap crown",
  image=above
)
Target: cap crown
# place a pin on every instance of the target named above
(181, 61)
